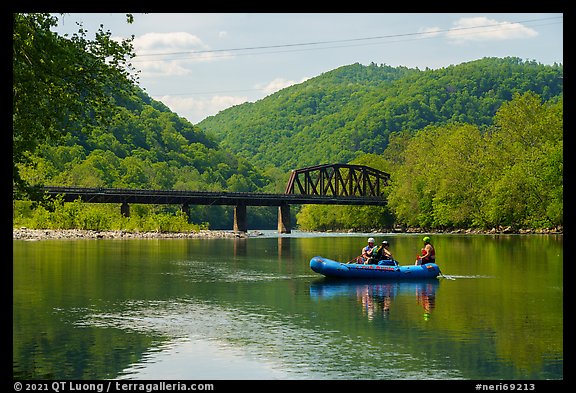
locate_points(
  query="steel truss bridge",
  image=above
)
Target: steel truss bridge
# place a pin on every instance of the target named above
(336, 184)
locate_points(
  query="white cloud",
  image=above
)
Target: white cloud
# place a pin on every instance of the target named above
(162, 68)
(167, 42)
(197, 109)
(278, 84)
(170, 54)
(484, 29)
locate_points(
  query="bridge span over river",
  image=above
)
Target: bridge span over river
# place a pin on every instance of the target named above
(334, 184)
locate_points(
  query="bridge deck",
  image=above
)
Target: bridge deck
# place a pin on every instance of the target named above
(167, 197)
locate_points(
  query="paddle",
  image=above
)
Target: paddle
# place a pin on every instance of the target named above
(418, 258)
(355, 259)
(446, 277)
(373, 252)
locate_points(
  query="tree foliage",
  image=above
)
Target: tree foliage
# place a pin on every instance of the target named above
(509, 175)
(459, 176)
(144, 148)
(55, 214)
(353, 110)
(79, 120)
(473, 145)
(59, 81)
(469, 145)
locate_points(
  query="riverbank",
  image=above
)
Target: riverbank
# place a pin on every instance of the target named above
(558, 230)
(41, 234)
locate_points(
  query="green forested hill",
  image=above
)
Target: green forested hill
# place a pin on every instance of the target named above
(472, 145)
(460, 175)
(344, 113)
(146, 146)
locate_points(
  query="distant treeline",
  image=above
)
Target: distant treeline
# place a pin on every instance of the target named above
(473, 145)
(342, 114)
(464, 176)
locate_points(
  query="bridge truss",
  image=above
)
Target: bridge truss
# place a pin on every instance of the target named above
(341, 180)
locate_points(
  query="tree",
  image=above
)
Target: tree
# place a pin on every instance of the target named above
(525, 177)
(510, 175)
(60, 82)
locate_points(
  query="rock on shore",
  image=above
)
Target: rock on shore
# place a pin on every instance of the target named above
(39, 234)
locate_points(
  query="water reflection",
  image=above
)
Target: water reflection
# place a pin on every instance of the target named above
(377, 297)
(240, 247)
(252, 308)
(283, 246)
(426, 297)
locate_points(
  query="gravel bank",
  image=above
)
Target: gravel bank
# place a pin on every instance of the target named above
(40, 234)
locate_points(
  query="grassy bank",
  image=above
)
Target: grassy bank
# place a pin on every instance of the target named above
(100, 217)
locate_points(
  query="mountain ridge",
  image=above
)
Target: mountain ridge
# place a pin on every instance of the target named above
(353, 109)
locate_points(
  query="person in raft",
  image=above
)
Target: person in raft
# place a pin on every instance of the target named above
(428, 253)
(384, 251)
(369, 251)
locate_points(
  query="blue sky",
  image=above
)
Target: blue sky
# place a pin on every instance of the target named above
(201, 63)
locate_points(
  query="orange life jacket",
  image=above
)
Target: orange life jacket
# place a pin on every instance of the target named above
(429, 256)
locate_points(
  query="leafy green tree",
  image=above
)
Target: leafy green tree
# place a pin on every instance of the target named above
(455, 176)
(133, 173)
(458, 152)
(61, 81)
(412, 188)
(509, 175)
(524, 176)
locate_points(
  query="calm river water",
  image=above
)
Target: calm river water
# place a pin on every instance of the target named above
(252, 309)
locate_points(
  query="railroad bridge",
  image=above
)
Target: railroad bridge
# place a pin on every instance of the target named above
(331, 184)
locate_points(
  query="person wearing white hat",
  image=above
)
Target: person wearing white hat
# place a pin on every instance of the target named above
(367, 252)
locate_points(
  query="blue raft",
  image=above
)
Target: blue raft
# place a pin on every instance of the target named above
(384, 269)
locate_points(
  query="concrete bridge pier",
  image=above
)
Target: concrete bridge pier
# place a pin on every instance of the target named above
(125, 209)
(240, 223)
(185, 208)
(284, 218)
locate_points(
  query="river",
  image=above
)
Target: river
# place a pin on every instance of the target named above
(251, 309)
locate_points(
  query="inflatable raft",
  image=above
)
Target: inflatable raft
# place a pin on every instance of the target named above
(385, 269)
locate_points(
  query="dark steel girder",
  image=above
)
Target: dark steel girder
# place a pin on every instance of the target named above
(339, 180)
(168, 197)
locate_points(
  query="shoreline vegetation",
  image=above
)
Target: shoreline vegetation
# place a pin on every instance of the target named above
(75, 234)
